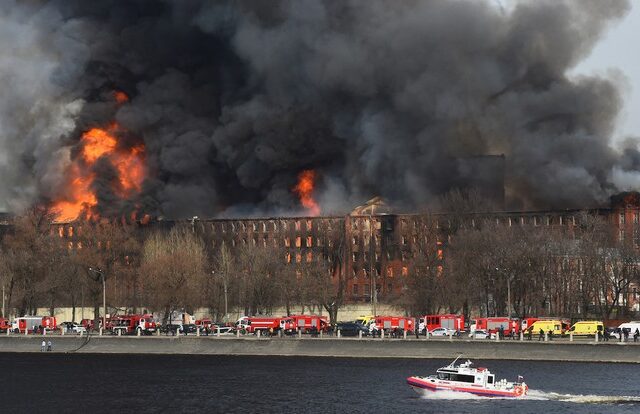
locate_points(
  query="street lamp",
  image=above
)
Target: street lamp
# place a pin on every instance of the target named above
(508, 290)
(226, 304)
(104, 295)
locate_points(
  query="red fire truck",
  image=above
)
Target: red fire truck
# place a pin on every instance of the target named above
(252, 324)
(448, 321)
(310, 323)
(133, 324)
(493, 325)
(391, 323)
(204, 324)
(30, 323)
(4, 325)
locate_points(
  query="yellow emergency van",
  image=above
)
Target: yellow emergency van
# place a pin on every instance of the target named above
(587, 328)
(551, 325)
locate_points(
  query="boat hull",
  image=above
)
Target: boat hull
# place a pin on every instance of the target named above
(425, 386)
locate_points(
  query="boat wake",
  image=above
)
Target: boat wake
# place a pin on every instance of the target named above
(583, 399)
(538, 395)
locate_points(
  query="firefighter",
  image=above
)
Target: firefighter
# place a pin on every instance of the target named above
(43, 346)
(49, 347)
(541, 335)
(636, 334)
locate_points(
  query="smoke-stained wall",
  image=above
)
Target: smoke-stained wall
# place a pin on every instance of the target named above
(232, 100)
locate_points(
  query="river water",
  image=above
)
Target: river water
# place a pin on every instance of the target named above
(51, 383)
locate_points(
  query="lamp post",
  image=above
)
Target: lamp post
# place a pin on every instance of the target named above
(226, 303)
(104, 295)
(508, 291)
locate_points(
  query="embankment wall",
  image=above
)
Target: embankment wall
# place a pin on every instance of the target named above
(333, 347)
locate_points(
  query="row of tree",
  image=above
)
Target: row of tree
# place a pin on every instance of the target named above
(485, 269)
(494, 270)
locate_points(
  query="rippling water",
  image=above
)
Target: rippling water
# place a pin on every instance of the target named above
(154, 383)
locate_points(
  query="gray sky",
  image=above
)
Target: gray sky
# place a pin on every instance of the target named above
(618, 51)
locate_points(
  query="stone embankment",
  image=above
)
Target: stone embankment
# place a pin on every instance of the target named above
(582, 351)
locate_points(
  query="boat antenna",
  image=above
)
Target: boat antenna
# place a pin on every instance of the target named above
(451, 365)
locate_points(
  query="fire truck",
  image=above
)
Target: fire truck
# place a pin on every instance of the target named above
(310, 323)
(391, 323)
(30, 323)
(4, 325)
(252, 324)
(448, 321)
(133, 324)
(493, 325)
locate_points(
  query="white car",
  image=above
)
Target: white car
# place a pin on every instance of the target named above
(73, 327)
(442, 332)
(479, 334)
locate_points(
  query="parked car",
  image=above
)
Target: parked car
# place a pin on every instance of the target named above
(351, 329)
(171, 329)
(72, 327)
(189, 328)
(479, 334)
(442, 332)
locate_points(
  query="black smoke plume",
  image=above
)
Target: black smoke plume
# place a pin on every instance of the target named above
(233, 99)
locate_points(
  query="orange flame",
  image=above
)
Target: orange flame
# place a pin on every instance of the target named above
(304, 190)
(80, 199)
(120, 97)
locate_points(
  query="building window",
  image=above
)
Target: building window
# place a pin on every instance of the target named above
(309, 241)
(318, 242)
(635, 217)
(389, 287)
(298, 241)
(354, 257)
(405, 271)
(264, 227)
(287, 257)
(298, 257)
(244, 226)
(309, 257)
(389, 271)
(354, 240)
(404, 240)
(297, 225)
(621, 219)
(287, 242)
(354, 289)
(264, 241)
(355, 224)
(254, 226)
(367, 289)
(309, 225)
(285, 225)
(621, 235)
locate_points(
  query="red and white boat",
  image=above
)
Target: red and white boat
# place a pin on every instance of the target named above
(464, 378)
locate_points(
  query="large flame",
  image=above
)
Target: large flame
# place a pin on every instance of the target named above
(304, 190)
(80, 199)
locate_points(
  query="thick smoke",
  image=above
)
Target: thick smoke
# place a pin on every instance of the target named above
(234, 99)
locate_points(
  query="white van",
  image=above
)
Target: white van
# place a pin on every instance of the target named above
(627, 326)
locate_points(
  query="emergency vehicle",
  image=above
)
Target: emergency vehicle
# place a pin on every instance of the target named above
(4, 325)
(448, 321)
(527, 322)
(29, 323)
(307, 323)
(133, 324)
(493, 325)
(391, 323)
(253, 324)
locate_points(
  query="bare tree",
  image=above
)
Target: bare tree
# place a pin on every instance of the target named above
(173, 270)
